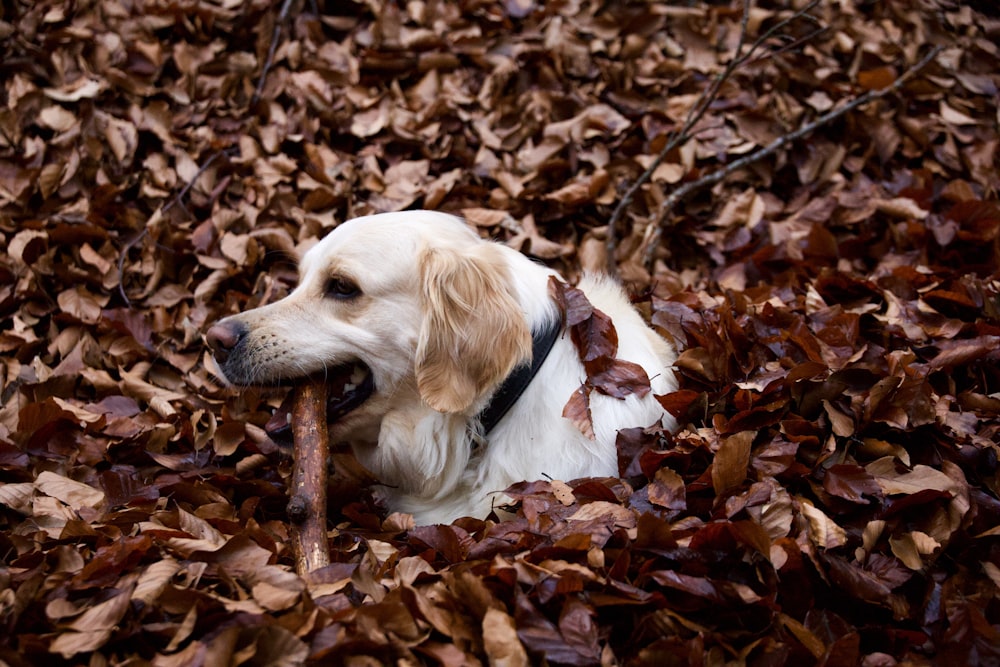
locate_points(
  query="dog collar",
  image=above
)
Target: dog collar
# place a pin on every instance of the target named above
(515, 384)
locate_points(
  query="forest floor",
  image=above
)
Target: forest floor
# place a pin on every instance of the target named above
(832, 494)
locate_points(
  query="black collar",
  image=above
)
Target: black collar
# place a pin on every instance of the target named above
(515, 384)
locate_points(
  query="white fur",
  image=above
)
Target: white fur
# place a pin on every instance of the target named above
(428, 459)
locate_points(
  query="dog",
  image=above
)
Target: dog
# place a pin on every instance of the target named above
(417, 324)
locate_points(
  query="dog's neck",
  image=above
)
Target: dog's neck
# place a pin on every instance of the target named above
(515, 384)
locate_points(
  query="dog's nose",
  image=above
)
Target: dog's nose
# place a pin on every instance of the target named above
(223, 337)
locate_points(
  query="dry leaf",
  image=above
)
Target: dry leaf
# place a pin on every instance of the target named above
(732, 460)
(823, 531)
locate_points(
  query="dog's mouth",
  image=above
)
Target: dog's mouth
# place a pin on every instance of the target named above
(347, 387)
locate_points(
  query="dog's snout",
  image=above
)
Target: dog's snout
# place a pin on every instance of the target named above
(224, 337)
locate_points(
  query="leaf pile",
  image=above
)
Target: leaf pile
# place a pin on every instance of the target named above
(832, 494)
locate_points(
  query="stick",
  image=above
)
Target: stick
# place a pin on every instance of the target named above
(695, 114)
(278, 24)
(307, 505)
(653, 239)
(121, 264)
(176, 200)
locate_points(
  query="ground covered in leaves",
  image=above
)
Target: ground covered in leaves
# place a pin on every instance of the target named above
(832, 495)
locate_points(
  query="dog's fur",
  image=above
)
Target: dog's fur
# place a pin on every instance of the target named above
(441, 317)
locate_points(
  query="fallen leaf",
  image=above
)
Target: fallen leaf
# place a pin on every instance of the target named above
(732, 461)
(823, 531)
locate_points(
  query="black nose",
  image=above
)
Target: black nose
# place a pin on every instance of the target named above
(224, 337)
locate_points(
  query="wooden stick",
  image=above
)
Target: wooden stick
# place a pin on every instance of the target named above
(307, 505)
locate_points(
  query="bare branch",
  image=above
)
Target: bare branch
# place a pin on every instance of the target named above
(275, 36)
(121, 264)
(780, 25)
(178, 199)
(795, 43)
(695, 114)
(652, 239)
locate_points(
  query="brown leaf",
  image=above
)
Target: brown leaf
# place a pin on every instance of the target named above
(667, 490)
(696, 586)
(732, 460)
(572, 302)
(451, 542)
(92, 629)
(851, 482)
(863, 585)
(577, 410)
(595, 120)
(680, 402)
(543, 637)
(82, 304)
(823, 531)
(921, 478)
(500, 640)
(911, 548)
(960, 352)
(595, 337)
(619, 378)
(876, 79)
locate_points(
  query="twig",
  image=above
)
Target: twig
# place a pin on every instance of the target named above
(307, 505)
(652, 240)
(795, 43)
(695, 114)
(275, 36)
(777, 27)
(178, 198)
(121, 264)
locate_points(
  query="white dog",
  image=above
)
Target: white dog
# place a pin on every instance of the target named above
(419, 325)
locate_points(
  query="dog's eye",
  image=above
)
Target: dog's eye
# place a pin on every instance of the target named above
(341, 288)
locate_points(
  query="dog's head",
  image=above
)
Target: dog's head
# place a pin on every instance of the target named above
(390, 309)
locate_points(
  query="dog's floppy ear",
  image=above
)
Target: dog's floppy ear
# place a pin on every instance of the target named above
(474, 333)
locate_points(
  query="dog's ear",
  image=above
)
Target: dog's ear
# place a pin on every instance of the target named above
(474, 333)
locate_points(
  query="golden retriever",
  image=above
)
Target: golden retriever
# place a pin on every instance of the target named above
(416, 322)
